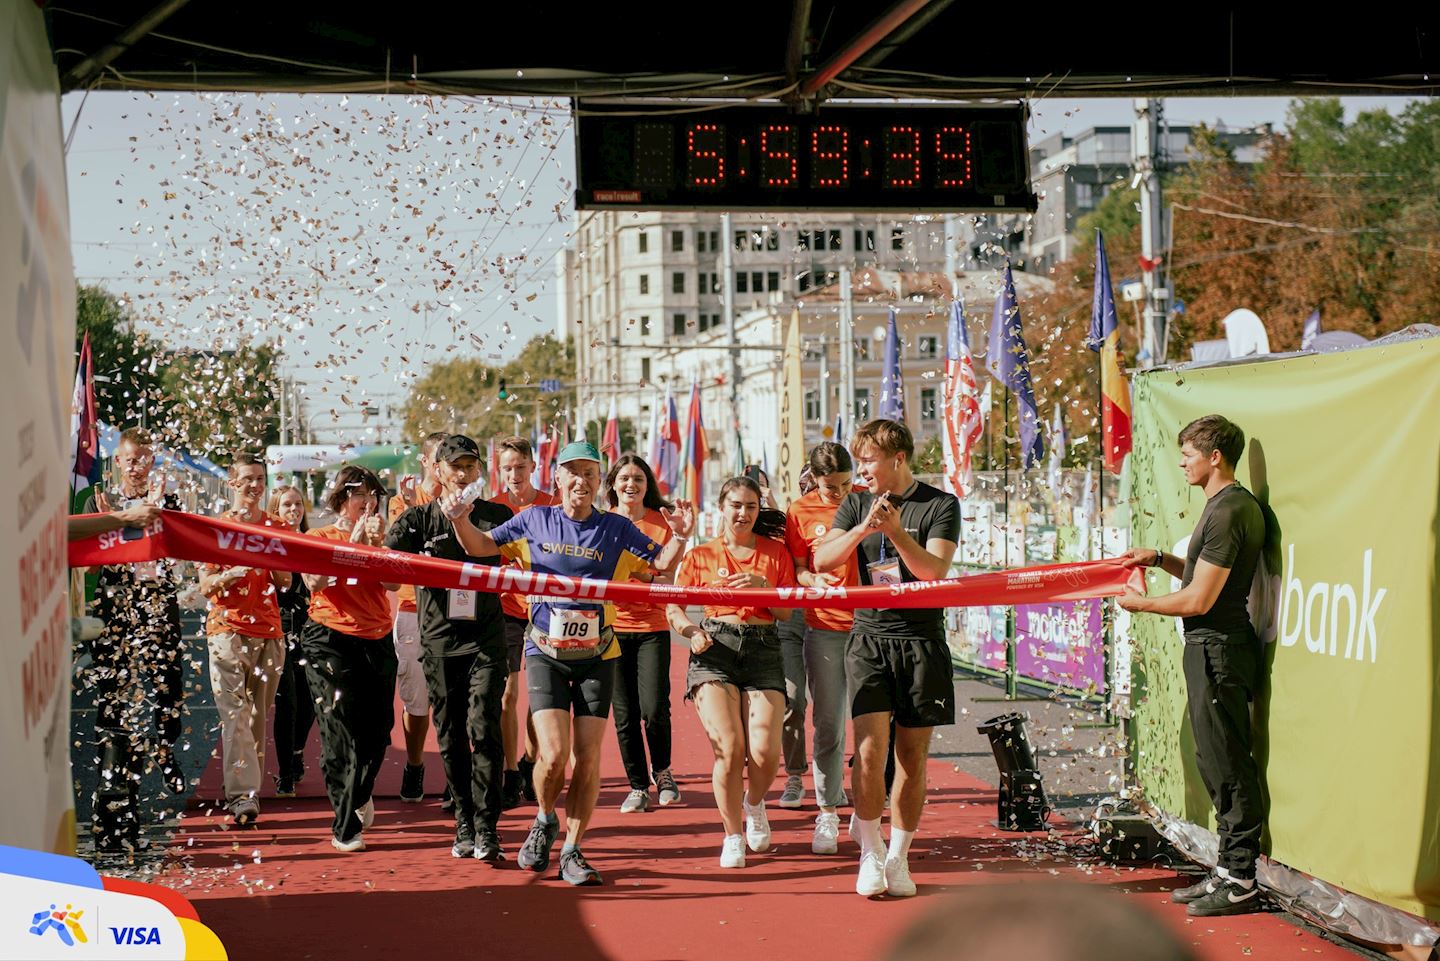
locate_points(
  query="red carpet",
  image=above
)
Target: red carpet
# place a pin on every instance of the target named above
(280, 891)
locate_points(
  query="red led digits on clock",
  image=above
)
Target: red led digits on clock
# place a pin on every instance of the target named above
(830, 156)
(778, 164)
(952, 156)
(705, 154)
(902, 157)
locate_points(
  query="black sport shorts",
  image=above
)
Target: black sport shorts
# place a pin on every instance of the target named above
(515, 628)
(907, 677)
(745, 656)
(582, 687)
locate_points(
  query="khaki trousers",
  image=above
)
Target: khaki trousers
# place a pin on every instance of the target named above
(244, 672)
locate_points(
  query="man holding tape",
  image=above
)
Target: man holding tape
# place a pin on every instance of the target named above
(571, 647)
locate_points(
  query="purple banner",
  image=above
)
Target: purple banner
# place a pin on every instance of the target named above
(1061, 644)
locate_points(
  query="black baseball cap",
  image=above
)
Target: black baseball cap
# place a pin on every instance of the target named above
(455, 446)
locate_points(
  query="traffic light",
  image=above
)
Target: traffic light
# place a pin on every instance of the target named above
(503, 392)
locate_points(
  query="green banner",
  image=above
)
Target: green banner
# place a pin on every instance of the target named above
(1344, 449)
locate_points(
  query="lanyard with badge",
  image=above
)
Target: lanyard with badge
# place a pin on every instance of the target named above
(885, 571)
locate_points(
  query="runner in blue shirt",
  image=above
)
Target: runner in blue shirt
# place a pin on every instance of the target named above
(570, 647)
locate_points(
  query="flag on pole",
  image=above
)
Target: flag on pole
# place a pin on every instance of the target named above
(1311, 330)
(1059, 441)
(84, 424)
(963, 420)
(666, 462)
(1114, 389)
(840, 429)
(652, 439)
(739, 455)
(493, 463)
(610, 444)
(695, 449)
(545, 455)
(1087, 504)
(1010, 363)
(892, 386)
(785, 482)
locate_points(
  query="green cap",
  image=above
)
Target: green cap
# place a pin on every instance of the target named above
(578, 450)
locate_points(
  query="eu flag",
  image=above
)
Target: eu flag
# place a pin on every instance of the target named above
(1009, 362)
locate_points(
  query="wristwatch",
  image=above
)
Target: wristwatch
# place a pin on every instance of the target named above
(1159, 557)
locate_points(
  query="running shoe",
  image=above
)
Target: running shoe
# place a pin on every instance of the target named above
(897, 878)
(487, 846)
(1195, 891)
(284, 785)
(366, 814)
(1227, 898)
(244, 810)
(464, 846)
(510, 788)
(535, 852)
(527, 778)
(827, 834)
(635, 801)
(794, 794)
(669, 790)
(871, 880)
(732, 852)
(412, 784)
(357, 843)
(578, 871)
(757, 827)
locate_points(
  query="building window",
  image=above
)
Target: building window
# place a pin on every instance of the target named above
(645, 329)
(757, 281)
(864, 240)
(677, 283)
(704, 324)
(741, 284)
(862, 348)
(715, 241)
(742, 240)
(645, 370)
(700, 241)
(928, 346)
(644, 241)
(929, 406)
(834, 240)
(772, 280)
(700, 282)
(802, 240)
(678, 325)
(862, 405)
(811, 351)
(644, 283)
(677, 241)
(772, 239)
(812, 406)
(820, 277)
(897, 238)
(802, 281)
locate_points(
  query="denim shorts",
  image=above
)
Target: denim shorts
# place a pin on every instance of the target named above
(745, 656)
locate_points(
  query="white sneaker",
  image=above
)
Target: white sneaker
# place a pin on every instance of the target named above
(732, 852)
(357, 843)
(827, 834)
(794, 794)
(897, 878)
(757, 827)
(635, 801)
(366, 814)
(871, 881)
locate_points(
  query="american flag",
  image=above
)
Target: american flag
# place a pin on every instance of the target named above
(963, 421)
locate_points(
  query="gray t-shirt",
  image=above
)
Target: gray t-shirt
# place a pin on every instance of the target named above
(1231, 534)
(926, 514)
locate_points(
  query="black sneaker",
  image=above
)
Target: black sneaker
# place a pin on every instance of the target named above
(412, 784)
(527, 778)
(1227, 898)
(487, 846)
(464, 846)
(578, 871)
(447, 800)
(510, 791)
(284, 785)
(535, 852)
(1195, 891)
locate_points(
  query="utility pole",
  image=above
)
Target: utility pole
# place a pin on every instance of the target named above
(825, 385)
(847, 353)
(1147, 151)
(727, 294)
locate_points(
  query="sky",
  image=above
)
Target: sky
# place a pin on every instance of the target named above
(370, 236)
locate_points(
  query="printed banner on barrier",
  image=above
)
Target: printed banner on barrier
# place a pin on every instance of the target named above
(207, 539)
(1061, 644)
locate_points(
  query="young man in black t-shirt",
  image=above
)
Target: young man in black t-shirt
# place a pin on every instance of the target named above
(896, 661)
(464, 655)
(1222, 655)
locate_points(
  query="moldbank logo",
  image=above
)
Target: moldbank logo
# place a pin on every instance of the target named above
(1316, 610)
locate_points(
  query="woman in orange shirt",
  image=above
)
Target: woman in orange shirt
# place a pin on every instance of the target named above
(642, 679)
(826, 632)
(735, 676)
(351, 661)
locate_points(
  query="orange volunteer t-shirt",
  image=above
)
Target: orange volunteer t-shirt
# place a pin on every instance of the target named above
(361, 609)
(807, 521)
(712, 561)
(406, 594)
(646, 618)
(250, 606)
(514, 604)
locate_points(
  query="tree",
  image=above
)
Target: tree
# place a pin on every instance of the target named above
(126, 364)
(224, 402)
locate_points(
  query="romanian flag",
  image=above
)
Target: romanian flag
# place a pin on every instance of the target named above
(1114, 388)
(665, 448)
(695, 449)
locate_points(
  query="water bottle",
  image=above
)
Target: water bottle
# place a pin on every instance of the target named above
(458, 505)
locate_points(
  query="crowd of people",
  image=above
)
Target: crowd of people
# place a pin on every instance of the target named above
(335, 652)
